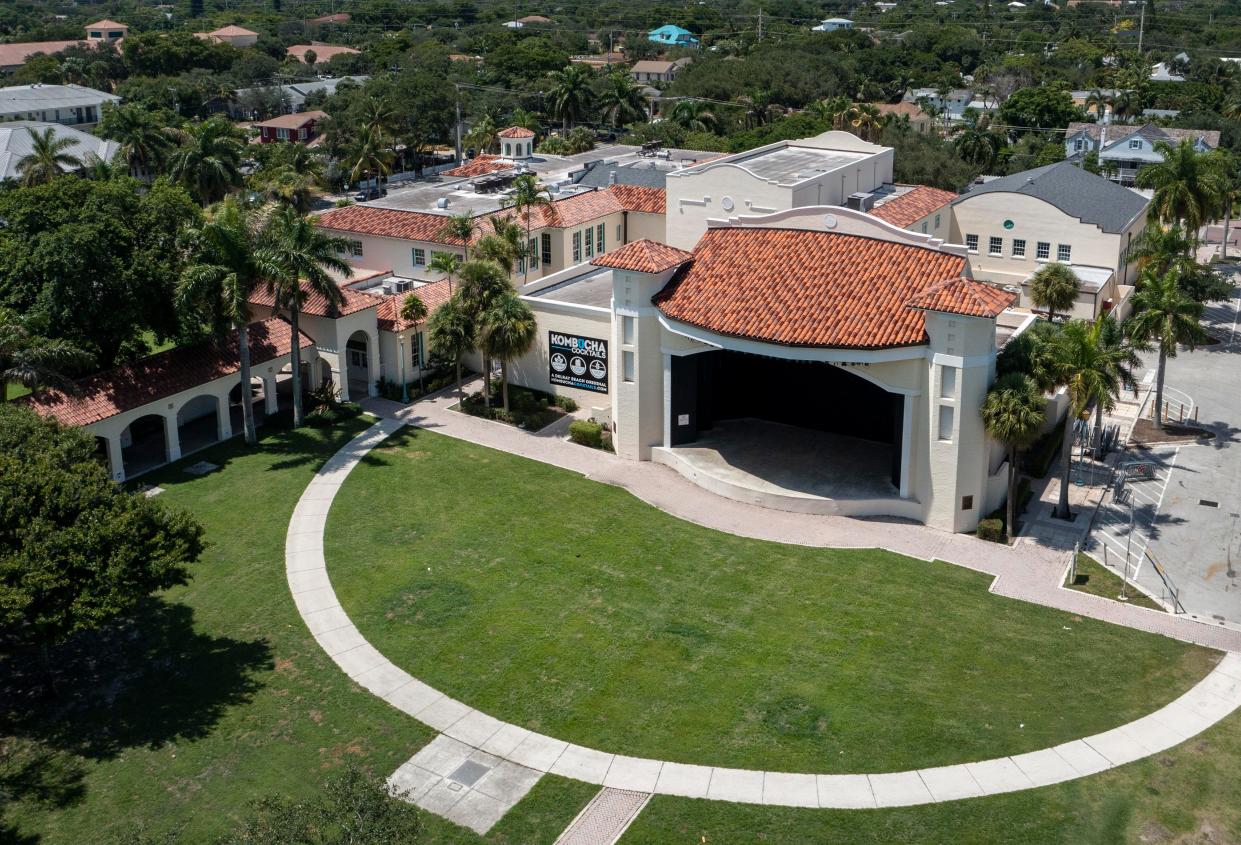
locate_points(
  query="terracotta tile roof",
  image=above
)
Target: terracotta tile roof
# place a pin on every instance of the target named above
(432, 295)
(644, 256)
(18, 53)
(339, 17)
(965, 297)
(912, 110)
(639, 198)
(293, 121)
(162, 375)
(317, 305)
(323, 52)
(390, 223)
(803, 288)
(106, 24)
(516, 132)
(481, 165)
(575, 210)
(231, 30)
(912, 205)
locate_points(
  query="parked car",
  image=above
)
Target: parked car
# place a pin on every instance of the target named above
(371, 193)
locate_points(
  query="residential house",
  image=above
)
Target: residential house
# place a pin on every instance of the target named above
(232, 35)
(298, 127)
(671, 35)
(71, 105)
(322, 52)
(106, 30)
(16, 144)
(602, 61)
(329, 20)
(954, 103)
(293, 96)
(1163, 71)
(1124, 150)
(918, 119)
(649, 70)
(16, 54)
(1015, 224)
(535, 20)
(833, 24)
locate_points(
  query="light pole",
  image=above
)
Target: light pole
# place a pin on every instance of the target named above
(404, 385)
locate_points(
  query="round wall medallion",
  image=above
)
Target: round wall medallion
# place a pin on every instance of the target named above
(727, 203)
(830, 221)
(1008, 224)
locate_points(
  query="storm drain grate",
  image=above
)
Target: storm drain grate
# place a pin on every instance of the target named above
(469, 772)
(1207, 503)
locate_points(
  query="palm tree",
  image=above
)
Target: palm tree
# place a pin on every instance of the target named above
(48, 157)
(414, 311)
(219, 278)
(484, 135)
(1189, 186)
(483, 283)
(526, 195)
(977, 143)
(570, 94)
(621, 101)
(695, 116)
(504, 246)
(507, 331)
(1100, 100)
(208, 163)
(1013, 414)
(832, 110)
(452, 332)
(33, 361)
(370, 155)
(1092, 371)
(1054, 286)
(447, 263)
(295, 260)
(865, 120)
(1163, 313)
(459, 227)
(1157, 250)
(144, 145)
(1126, 104)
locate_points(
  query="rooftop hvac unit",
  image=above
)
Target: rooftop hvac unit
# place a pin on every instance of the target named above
(402, 285)
(389, 287)
(861, 201)
(442, 202)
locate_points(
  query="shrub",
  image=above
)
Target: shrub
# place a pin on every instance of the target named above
(586, 433)
(566, 403)
(991, 529)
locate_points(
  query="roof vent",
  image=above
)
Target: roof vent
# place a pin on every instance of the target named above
(442, 202)
(611, 177)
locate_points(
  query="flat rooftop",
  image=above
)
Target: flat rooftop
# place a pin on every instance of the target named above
(592, 287)
(790, 165)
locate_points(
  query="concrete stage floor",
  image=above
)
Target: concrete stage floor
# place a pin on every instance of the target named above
(770, 457)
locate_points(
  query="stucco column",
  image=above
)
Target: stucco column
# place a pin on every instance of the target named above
(224, 421)
(667, 400)
(116, 458)
(172, 437)
(373, 365)
(907, 435)
(340, 381)
(271, 402)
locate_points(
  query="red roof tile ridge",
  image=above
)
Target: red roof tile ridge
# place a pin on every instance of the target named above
(644, 256)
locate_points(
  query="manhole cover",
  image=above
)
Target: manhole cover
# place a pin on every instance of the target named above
(469, 772)
(1207, 503)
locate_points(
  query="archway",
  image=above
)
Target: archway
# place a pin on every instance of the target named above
(258, 396)
(198, 423)
(358, 354)
(144, 445)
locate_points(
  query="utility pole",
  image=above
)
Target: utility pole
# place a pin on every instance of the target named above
(458, 87)
(1141, 23)
(760, 23)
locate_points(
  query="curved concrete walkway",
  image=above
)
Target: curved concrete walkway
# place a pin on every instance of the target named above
(1216, 696)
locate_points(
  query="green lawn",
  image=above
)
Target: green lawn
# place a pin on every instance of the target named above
(220, 696)
(1094, 578)
(572, 608)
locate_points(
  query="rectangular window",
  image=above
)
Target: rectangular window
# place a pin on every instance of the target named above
(1019, 248)
(1078, 145)
(590, 243)
(924, 227)
(627, 359)
(1042, 251)
(627, 331)
(1135, 145)
(577, 247)
(415, 350)
(948, 382)
(420, 257)
(1064, 253)
(599, 239)
(945, 423)
(532, 249)
(995, 246)
(546, 241)
(971, 243)
(620, 233)
(356, 248)
(937, 222)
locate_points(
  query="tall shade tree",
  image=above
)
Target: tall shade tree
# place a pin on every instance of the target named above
(1090, 370)
(1164, 315)
(448, 263)
(143, 144)
(452, 330)
(1054, 286)
(296, 260)
(621, 99)
(1189, 186)
(507, 331)
(525, 196)
(414, 311)
(220, 275)
(33, 361)
(49, 157)
(208, 162)
(459, 227)
(571, 95)
(1013, 414)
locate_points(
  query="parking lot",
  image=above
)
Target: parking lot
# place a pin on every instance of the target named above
(1189, 513)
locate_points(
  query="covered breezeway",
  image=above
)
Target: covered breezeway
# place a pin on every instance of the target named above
(781, 426)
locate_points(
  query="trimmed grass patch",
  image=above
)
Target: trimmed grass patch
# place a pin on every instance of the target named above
(1095, 578)
(574, 609)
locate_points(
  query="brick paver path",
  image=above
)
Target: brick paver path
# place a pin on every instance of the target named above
(1023, 572)
(605, 818)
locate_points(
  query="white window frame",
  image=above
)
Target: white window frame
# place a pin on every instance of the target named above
(1064, 253)
(995, 245)
(1019, 247)
(577, 247)
(355, 248)
(1135, 144)
(1042, 251)
(419, 256)
(971, 243)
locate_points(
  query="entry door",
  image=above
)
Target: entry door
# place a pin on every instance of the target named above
(357, 358)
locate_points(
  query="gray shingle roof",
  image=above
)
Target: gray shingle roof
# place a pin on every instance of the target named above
(25, 98)
(596, 175)
(1078, 193)
(15, 144)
